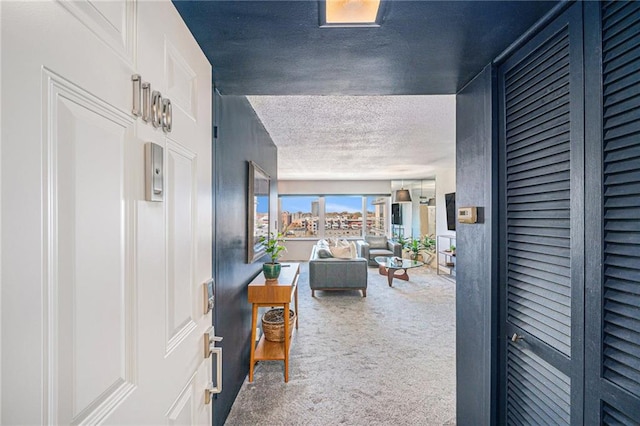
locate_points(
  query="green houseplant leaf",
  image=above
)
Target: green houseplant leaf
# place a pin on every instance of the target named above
(415, 245)
(428, 243)
(274, 245)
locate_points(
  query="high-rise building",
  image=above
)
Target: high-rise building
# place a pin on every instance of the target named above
(285, 219)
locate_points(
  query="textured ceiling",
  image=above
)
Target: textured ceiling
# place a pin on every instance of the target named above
(359, 137)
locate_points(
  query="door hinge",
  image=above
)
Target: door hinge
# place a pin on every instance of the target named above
(215, 132)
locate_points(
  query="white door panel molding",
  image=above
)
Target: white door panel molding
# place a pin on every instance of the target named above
(101, 303)
(113, 22)
(181, 205)
(88, 280)
(181, 81)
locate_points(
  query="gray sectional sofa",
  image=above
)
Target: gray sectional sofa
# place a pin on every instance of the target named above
(331, 273)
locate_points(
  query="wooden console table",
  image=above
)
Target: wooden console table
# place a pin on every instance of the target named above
(268, 294)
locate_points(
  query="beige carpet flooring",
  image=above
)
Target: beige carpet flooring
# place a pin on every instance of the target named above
(387, 359)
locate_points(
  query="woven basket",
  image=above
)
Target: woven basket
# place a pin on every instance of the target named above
(273, 324)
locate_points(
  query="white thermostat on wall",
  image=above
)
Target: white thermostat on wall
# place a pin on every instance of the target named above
(467, 214)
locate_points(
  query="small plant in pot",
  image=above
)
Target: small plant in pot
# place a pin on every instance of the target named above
(429, 243)
(414, 246)
(274, 246)
(404, 243)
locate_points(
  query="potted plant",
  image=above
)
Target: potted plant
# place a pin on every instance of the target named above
(414, 246)
(429, 244)
(428, 251)
(401, 240)
(274, 246)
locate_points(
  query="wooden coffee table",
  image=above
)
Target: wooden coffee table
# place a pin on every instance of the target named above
(389, 266)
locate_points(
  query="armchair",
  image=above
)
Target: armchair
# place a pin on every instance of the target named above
(374, 245)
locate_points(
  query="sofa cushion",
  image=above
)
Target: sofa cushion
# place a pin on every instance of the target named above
(380, 252)
(376, 242)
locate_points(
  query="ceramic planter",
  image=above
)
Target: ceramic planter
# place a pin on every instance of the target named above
(271, 270)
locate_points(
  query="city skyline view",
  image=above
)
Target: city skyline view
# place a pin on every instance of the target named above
(333, 203)
(300, 216)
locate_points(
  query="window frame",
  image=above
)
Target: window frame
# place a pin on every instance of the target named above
(322, 215)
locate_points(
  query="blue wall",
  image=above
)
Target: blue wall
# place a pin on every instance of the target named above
(476, 283)
(241, 138)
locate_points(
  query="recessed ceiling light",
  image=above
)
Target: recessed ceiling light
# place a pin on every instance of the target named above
(350, 13)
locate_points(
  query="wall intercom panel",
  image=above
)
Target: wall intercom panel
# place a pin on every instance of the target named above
(154, 172)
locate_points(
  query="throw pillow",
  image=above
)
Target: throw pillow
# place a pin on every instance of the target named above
(323, 252)
(323, 243)
(342, 243)
(341, 252)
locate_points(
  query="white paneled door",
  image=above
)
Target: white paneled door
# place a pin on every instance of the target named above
(102, 316)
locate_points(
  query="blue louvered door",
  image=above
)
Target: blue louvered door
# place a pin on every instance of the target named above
(541, 98)
(613, 264)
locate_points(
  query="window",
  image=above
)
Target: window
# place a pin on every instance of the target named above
(377, 215)
(343, 216)
(299, 216)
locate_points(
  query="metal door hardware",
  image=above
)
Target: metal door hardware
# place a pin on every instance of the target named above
(209, 344)
(211, 389)
(516, 337)
(208, 296)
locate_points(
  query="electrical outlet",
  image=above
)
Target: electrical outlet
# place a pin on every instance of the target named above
(257, 334)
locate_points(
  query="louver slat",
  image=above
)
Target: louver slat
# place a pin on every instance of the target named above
(621, 122)
(538, 393)
(538, 229)
(613, 11)
(529, 70)
(613, 417)
(550, 305)
(528, 262)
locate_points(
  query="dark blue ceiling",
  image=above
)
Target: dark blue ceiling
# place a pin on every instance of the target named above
(422, 47)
